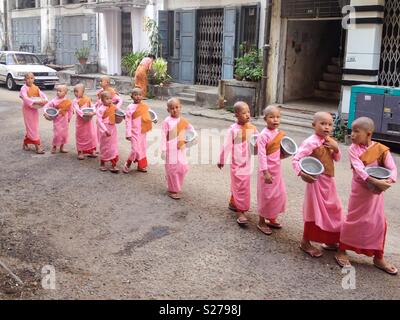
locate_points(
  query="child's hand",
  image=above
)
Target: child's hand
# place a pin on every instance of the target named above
(108, 134)
(42, 103)
(331, 144)
(220, 165)
(163, 155)
(46, 116)
(307, 178)
(268, 179)
(382, 185)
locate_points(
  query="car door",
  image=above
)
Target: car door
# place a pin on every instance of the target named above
(3, 67)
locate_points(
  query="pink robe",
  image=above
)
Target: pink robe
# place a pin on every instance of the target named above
(271, 198)
(176, 165)
(31, 116)
(240, 167)
(108, 145)
(364, 227)
(116, 100)
(60, 123)
(85, 132)
(322, 208)
(134, 131)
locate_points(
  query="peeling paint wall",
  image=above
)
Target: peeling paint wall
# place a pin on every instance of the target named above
(309, 47)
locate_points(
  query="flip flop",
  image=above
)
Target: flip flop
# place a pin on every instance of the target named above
(329, 248)
(276, 225)
(174, 196)
(41, 151)
(342, 262)
(268, 231)
(387, 270)
(92, 155)
(81, 157)
(114, 170)
(242, 220)
(103, 169)
(312, 255)
(232, 208)
(142, 170)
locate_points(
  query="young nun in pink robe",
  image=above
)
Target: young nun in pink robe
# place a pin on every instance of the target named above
(237, 145)
(322, 208)
(85, 131)
(271, 192)
(61, 122)
(138, 124)
(105, 85)
(364, 228)
(173, 147)
(28, 92)
(108, 133)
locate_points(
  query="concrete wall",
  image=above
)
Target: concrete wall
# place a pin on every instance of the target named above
(2, 25)
(309, 47)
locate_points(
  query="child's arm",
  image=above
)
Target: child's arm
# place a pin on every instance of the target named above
(262, 143)
(100, 122)
(164, 133)
(43, 96)
(333, 145)
(391, 165)
(23, 94)
(77, 109)
(128, 123)
(226, 148)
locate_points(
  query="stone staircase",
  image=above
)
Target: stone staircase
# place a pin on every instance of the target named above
(187, 96)
(329, 86)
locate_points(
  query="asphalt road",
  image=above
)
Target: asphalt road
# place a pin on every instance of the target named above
(120, 237)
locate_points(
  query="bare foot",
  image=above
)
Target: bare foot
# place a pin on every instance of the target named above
(308, 248)
(126, 167)
(81, 156)
(92, 155)
(273, 223)
(53, 150)
(241, 218)
(62, 150)
(25, 147)
(383, 265)
(103, 168)
(39, 149)
(114, 170)
(174, 195)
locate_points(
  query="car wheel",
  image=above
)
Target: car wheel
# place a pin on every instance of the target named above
(10, 83)
(50, 87)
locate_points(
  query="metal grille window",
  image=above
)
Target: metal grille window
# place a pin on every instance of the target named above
(390, 55)
(312, 8)
(209, 46)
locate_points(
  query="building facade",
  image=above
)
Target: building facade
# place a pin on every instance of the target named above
(58, 27)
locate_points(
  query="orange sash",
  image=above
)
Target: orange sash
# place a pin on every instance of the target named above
(84, 100)
(275, 143)
(324, 154)
(110, 113)
(243, 135)
(64, 106)
(377, 152)
(33, 91)
(142, 111)
(179, 131)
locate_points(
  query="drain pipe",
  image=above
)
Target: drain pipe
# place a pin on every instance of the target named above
(266, 48)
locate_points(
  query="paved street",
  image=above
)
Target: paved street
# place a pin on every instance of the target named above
(120, 236)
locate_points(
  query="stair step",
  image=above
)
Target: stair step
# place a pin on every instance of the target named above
(332, 77)
(188, 90)
(324, 94)
(296, 115)
(329, 86)
(186, 95)
(334, 69)
(189, 101)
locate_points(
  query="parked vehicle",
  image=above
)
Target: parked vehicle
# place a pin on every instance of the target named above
(14, 65)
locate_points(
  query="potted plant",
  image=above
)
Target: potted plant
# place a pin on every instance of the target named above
(82, 54)
(249, 65)
(131, 61)
(159, 74)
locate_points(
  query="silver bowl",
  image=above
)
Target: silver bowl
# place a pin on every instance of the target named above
(153, 116)
(288, 147)
(86, 113)
(119, 116)
(190, 138)
(35, 102)
(311, 166)
(51, 113)
(253, 144)
(377, 173)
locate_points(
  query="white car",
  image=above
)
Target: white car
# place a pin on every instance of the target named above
(15, 65)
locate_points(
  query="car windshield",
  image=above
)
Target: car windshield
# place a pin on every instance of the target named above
(20, 58)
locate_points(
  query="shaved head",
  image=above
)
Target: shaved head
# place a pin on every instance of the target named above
(80, 86)
(105, 78)
(271, 109)
(105, 94)
(136, 90)
(364, 123)
(238, 106)
(173, 101)
(29, 74)
(62, 87)
(319, 116)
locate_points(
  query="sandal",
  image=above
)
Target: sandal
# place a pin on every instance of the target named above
(330, 247)
(232, 208)
(114, 170)
(40, 151)
(264, 229)
(142, 169)
(343, 263)
(103, 168)
(174, 196)
(242, 220)
(125, 169)
(81, 157)
(92, 155)
(392, 270)
(275, 225)
(25, 147)
(312, 252)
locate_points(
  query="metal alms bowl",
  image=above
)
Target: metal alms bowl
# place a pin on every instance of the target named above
(87, 113)
(51, 113)
(190, 138)
(35, 102)
(378, 172)
(288, 147)
(311, 166)
(153, 116)
(119, 116)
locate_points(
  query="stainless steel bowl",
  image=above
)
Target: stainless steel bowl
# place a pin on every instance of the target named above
(378, 172)
(51, 113)
(119, 116)
(311, 166)
(153, 116)
(288, 147)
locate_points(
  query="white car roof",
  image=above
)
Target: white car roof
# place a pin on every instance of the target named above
(17, 52)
